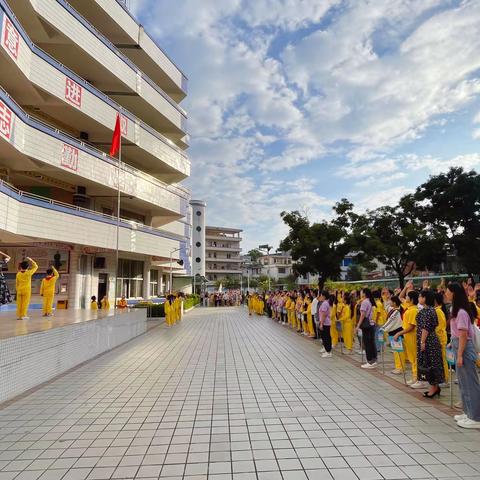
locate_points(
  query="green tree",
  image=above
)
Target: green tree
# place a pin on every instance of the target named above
(449, 205)
(255, 254)
(397, 239)
(316, 248)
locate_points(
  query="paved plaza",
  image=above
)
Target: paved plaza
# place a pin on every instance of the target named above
(227, 397)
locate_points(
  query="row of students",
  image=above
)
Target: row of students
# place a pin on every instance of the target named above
(173, 308)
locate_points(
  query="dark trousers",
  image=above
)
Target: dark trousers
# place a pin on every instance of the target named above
(315, 328)
(369, 343)
(326, 338)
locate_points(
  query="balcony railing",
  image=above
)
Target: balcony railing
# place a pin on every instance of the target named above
(37, 200)
(91, 150)
(119, 54)
(81, 81)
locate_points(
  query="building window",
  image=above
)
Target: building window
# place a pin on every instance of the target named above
(281, 270)
(199, 229)
(199, 213)
(214, 255)
(130, 278)
(198, 259)
(154, 285)
(229, 255)
(198, 244)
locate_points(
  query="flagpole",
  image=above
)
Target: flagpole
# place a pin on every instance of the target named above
(118, 218)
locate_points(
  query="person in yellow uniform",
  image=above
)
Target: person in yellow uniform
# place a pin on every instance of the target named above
(311, 329)
(23, 285)
(287, 308)
(393, 325)
(344, 314)
(298, 313)
(441, 330)
(47, 291)
(409, 333)
(122, 303)
(169, 308)
(93, 303)
(105, 303)
(333, 322)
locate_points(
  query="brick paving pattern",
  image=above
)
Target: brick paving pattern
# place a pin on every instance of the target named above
(227, 397)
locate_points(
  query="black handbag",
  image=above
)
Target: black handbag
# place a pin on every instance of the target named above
(425, 373)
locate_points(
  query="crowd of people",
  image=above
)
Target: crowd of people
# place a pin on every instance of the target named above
(229, 298)
(421, 325)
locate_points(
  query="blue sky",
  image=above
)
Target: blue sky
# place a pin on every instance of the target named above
(295, 104)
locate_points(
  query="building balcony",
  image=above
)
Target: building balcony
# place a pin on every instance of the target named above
(223, 260)
(47, 88)
(36, 153)
(113, 19)
(60, 30)
(25, 218)
(225, 272)
(209, 248)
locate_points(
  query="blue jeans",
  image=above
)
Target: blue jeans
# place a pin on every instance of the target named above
(468, 380)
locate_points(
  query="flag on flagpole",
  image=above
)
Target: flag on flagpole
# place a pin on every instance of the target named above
(117, 138)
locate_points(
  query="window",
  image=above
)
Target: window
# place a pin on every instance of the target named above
(214, 255)
(198, 244)
(229, 255)
(199, 213)
(154, 284)
(130, 278)
(198, 259)
(281, 270)
(199, 229)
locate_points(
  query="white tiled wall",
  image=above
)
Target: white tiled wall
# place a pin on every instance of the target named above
(29, 360)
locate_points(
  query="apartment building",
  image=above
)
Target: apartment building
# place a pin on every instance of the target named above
(67, 70)
(223, 260)
(276, 265)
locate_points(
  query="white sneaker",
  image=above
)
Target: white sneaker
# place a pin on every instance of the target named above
(411, 382)
(463, 416)
(397, 371)
(25, 318)
(370, 365)
(322, 350)
(326, 355)
(468, 423)
(359, 352)
(418, 385)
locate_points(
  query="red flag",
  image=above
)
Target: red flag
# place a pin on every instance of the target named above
(117, 138)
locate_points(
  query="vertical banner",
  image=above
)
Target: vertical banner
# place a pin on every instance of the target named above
(6, 121)
(10, 38)
(73, 92)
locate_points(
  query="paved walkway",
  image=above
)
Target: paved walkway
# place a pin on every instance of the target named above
(232, 398)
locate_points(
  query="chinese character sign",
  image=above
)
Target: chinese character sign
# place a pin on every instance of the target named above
(6, 121)
(73, 92)
(10, 38)
(69, 157)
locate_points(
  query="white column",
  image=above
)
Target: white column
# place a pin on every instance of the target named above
(147, 265)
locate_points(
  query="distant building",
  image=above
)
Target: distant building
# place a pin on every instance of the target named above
(223, 260)
(276, 265)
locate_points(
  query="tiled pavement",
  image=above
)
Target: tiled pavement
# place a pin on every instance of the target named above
(228, 397)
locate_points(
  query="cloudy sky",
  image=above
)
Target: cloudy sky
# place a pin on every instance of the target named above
(294, 104)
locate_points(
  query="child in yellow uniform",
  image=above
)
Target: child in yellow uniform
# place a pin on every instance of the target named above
(105, 303)
(47, 291)
(24, 287)
(93, 303)
(441, 331)
(333, 326)
(344, 314)
(409, 332)
(169, 310)
(311, 330)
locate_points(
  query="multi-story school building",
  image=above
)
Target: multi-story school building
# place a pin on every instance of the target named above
(66, 70)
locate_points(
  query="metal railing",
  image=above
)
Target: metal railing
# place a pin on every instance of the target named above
(49, 129)
(88, 86)
(31, 198)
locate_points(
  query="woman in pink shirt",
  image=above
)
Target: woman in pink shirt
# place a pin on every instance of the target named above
(324, 323)
(462, 331)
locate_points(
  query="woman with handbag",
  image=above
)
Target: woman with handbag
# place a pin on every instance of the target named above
(463, 334)
(429, 349)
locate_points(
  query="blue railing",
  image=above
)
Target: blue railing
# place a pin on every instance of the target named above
(38, 201)
(88, 86)
(120, 55)
(66, 138)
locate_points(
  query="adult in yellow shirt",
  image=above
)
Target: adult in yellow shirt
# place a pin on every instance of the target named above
(23, 285)
(47, 290)
(105, 303)
(93, 303)
(409, 333)
(333, 322)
